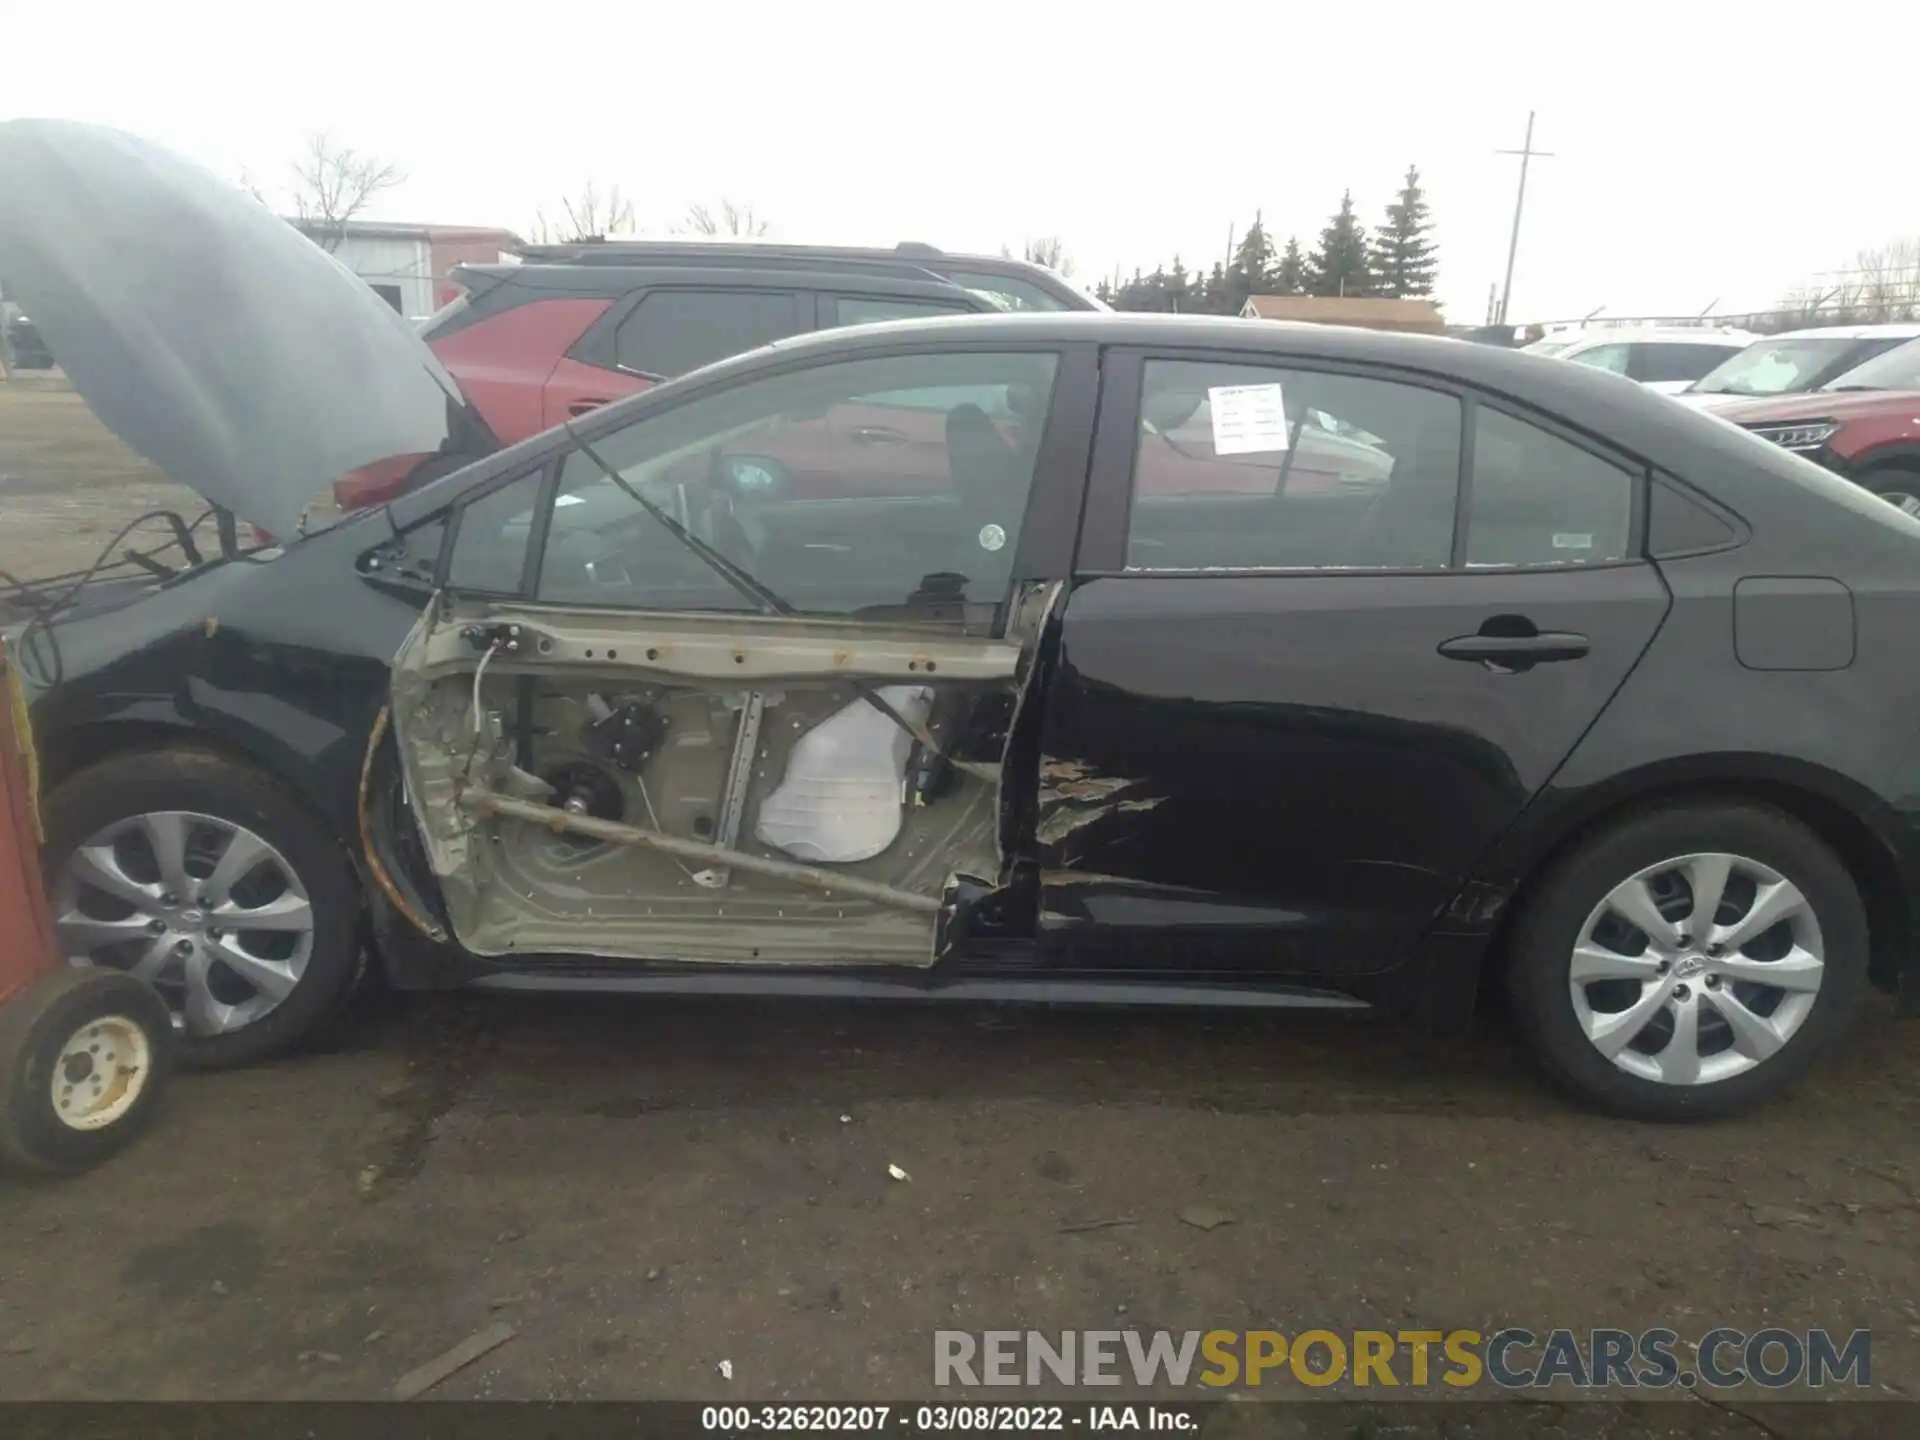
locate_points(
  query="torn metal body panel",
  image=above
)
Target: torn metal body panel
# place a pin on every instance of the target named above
(1072, 797)
(703, 789)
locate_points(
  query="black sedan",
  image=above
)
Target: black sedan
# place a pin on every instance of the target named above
(1068, 657)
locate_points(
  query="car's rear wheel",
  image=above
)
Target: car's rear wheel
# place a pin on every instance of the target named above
(205, 878)
(1895, 484)
(1691, 961)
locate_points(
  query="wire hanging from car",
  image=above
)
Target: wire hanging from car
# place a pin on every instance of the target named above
(479, 674)
(37, 638)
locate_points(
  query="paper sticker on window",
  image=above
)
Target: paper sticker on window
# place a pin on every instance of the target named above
(1565, 541)
(1247, 419)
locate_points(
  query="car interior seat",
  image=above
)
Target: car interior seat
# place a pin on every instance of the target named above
(1409, 523)
(990, 486)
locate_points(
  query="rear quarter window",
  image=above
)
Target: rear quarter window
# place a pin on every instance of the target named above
(1541, 500)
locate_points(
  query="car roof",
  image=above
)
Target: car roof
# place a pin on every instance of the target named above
(904, 280)
(1897, 330)
(1442, 355)
(906, 260)
(1607, 405)
(1658, 334)
(905, 254)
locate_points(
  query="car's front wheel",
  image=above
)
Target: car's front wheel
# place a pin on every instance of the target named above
(1691, 961)
(208, 880)
(1895, 484)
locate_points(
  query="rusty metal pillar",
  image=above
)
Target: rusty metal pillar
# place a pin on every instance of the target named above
(26, 928)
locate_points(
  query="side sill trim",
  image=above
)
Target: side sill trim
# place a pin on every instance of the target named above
(853, 987)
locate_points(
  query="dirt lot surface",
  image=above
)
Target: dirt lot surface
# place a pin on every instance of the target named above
(67, 483)
(646, 1190)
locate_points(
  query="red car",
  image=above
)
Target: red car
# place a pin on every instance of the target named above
(1864, 425)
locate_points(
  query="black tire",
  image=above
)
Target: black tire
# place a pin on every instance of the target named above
(1558, 904)
(1889, 481)
(149, 781)
(35, 1027)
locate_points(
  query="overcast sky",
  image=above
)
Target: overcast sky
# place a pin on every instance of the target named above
(1703, 152)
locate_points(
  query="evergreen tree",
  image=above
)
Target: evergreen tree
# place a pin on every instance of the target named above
(1217, 292)
(1103, 292)
(1247, 271)
(1134, 295)
(1179, 289)
(1290, 275)
(1339, 266)
(1404, 261)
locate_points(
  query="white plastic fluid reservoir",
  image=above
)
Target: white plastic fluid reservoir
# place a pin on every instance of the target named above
(841, 798)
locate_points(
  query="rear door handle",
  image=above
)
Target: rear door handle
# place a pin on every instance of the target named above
(1507, 652)
(582, 407)
(878, 435)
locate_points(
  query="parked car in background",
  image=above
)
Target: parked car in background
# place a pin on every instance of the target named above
(1573, 688)
(1863, 424)
(1667, 360)
(574, 326)
(1794, 362)
(24, 344)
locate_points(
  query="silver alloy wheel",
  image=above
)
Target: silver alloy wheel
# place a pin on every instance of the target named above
(1902, 500)
(1697, 969)
(204, 909)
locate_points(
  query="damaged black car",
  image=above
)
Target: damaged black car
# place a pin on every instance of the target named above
(1063, 657)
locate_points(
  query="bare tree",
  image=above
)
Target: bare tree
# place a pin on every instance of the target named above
(590, 215)
(1882, 285)
(1047, 250)
(1889, 280)
(333, 184)
(732, 218)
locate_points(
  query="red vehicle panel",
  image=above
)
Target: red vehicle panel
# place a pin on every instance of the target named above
(504, 363)
(574, 389)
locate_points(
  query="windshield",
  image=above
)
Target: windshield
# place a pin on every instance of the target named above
(1896, 369)
(1006, 291)
(1545, 347)
(1776, 367)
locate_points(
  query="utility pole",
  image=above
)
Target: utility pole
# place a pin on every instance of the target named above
(1526, 152)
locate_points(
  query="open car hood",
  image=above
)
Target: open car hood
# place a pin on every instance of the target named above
(209, 334)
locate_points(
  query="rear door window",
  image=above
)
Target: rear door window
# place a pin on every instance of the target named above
(1251, 467)
(673, 331)
(1665, 362)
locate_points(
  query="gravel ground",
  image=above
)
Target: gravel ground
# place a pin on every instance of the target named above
(645, 1190)
(67, 483)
